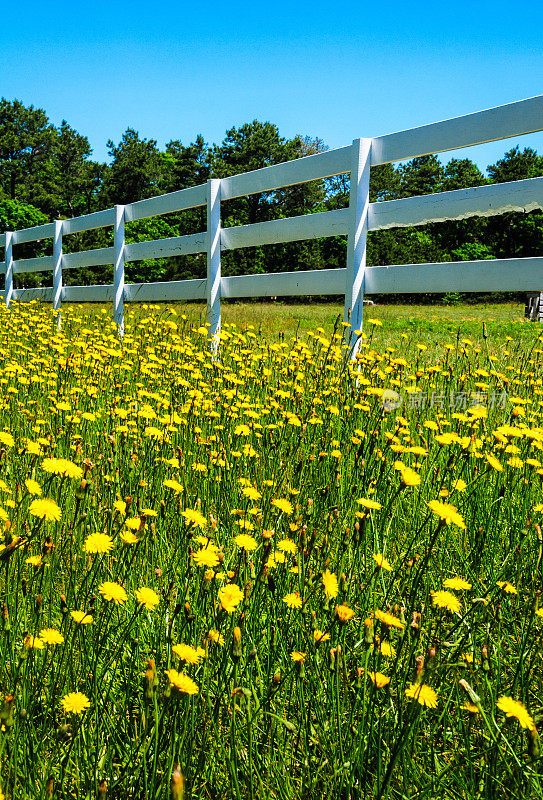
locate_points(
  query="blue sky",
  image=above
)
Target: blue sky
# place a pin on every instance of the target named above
(337, 70)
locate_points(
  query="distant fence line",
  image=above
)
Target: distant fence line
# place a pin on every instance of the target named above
(361, 216)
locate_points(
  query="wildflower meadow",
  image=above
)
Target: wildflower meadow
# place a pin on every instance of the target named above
(263, 570)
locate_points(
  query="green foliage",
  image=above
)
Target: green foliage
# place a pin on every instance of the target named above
(135, 171)
(472, 251)
(15, 215)
(422, 175)
(51, 168)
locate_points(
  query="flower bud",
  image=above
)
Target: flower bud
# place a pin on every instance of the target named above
(150, 680)
(485, 663)
(236, 650)
(177, 784)
(6, 711)
(369, 630)
(534, 744)
(473, 696)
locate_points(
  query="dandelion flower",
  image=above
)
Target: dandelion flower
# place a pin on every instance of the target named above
(34, 561)
(62, 466)
(151, 432)
(98, 543)
(493, 462)
(194, 518)
(175, 485)
(447, 438)
(51, 636)
(33, 448)
(293, 600)
(287, 546)
(297, 656)
(369, 504)
(447, 600)
(148, 598)
(329, 581)
(81, 617)
(344, 613)
(423, 694)
(6, 439)
(381, 562)
(45, 509)
(128, 537)
(389, 619)
(112, 591)
(207, 557)
(215, 636)
(182, 682)
(512, 708)
(447, 512)
(378, 679)
(507, 587)
(283, 505)
(246, 524)
(386, 649)
(33, 487)
(185, 652)
(320, 636)
(120, 506)
(251, 493)
(457, 583)
(246, 542)
(33, 642)
(409, 477)
(230, 596)
(75, 703)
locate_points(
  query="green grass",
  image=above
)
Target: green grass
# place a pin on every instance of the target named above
(275, 474)
(424, 320)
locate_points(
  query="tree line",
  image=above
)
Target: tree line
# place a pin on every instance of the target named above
(47, 172)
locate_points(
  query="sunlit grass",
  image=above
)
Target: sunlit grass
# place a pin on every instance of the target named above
(273, 573)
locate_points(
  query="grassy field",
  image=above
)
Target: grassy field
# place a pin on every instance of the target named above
(430, 322)
(275, 573)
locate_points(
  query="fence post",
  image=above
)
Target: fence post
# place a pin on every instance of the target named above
(9, 268)
(356, 242)
(118, 270)
(57, 271)
(213, 284)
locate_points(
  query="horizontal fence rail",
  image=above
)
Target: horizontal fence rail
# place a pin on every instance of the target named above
(355, 221)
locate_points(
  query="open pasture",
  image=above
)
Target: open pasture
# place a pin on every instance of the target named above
(273, 573)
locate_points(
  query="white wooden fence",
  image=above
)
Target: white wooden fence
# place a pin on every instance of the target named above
(361, 216)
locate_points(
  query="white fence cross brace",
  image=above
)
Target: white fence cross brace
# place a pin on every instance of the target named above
(361, 217)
